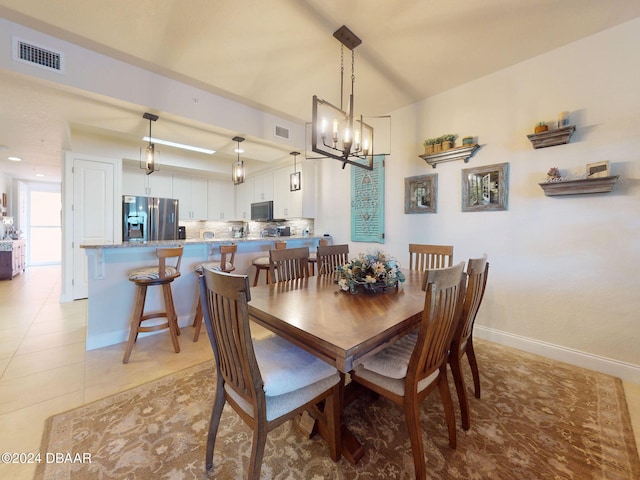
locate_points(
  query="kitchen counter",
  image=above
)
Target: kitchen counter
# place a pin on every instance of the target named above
(111, 295)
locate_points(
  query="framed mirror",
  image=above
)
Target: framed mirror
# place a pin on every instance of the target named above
(421, 194)
(485, 188)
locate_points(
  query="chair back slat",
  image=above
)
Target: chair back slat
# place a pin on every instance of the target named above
(226, 316)
(443, 288)
(428, 257)
(477, 272)
(330, 257)
(288, 264)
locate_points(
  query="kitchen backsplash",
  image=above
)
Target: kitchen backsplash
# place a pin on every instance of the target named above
(199, 229)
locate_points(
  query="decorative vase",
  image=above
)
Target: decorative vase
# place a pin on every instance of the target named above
(447, 145)
(467, 141)
(428, 150)
(541, 128)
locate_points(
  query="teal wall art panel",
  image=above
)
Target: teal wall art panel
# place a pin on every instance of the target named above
(367, 202)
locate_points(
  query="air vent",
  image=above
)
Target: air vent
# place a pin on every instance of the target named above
(39, 56)
(282, 132)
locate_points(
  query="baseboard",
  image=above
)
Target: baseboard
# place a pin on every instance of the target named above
(625, 371)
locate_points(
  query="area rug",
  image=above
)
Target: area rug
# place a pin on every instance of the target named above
(537, 419)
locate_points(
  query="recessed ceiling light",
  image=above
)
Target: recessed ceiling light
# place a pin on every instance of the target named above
(14, 159)
(39, 174)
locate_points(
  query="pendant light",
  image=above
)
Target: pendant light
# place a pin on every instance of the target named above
(149, 159)
(237, 169)
(294, 178)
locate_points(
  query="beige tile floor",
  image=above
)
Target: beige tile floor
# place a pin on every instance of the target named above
(44, 368)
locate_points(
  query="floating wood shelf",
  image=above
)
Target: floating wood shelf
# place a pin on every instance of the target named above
(574, 187)
(551, 138)
(458, 153)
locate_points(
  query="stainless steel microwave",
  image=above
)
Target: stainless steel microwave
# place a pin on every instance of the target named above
(262, 211)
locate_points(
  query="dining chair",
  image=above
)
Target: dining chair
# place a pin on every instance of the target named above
(331, 257)
(462, 342)
(313, 256)
(411, 368)
(225, 264)
(289, 264)
(266, 381)
(162, 274)
(427, 257)
(262, 263)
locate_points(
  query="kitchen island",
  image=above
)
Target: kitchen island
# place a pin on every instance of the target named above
(111, 295)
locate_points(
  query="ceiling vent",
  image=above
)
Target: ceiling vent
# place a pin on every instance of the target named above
(35, 55)
(282, 132)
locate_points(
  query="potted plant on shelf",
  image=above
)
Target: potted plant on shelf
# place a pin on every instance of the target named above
(429, 146)
(448, 141)
(541, 127)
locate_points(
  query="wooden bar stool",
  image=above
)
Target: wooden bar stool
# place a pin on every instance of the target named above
(323, 242)
(226, 264)
(262, 263)
(161, 275)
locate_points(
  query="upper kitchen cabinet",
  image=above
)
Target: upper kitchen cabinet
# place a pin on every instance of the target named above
(286, 204)
(263, 187)
(244, 197)
(136, 182)
(221, 198)
(192, 194)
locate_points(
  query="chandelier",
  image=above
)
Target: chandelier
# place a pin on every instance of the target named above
(237, 169)
(149, 159)
(336, 132)
(294, 178)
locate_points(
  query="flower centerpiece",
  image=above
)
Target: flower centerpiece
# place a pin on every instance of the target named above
(374, 271)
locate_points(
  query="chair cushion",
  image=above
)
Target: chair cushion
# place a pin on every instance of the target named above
(152, 273)
(211, 266)
(261, 262)
(285, 367)
(393, 361)
(395, 385)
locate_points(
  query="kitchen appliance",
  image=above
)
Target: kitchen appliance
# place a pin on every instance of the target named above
(240, 231)
(149, 218)
(284, 231)
(182, 233)
(262, 211)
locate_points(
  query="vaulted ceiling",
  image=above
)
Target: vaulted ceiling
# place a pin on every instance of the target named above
(275, 55)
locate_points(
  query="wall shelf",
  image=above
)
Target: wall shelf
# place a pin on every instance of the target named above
(575, 187)
(551, 138)
(464, 152)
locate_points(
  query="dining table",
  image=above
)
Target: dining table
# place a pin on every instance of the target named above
(339, 327)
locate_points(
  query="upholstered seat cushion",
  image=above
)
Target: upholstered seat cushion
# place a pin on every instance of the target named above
(261, 262)
(152, 273)
(388, 368)
(285, 367)
(212, 266)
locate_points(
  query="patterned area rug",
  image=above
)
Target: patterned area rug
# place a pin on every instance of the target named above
(537, 419)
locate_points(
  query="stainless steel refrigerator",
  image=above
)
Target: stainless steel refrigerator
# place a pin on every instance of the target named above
(149, 218)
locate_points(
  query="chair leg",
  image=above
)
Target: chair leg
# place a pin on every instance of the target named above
(332, 415)
(171, 316)
(214, 423)
(471, 356)
(412, 417)
(461, 390)
(447, 403)
(257, 452)
(255, 279)
(197, 321)
(136, 318)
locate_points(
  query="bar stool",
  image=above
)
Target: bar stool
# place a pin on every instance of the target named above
(262, 263)
(161, 275)
(226, 264)
(323, 242)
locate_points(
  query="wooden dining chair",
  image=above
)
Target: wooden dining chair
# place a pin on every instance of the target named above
(313, 256)
(428, 257)
(462, 342)
(262, 263)
(289, 264)
(225, 264)
(408, 370)
(266, 381)
(331, 257)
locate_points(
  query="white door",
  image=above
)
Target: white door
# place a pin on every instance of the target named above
(93, 214)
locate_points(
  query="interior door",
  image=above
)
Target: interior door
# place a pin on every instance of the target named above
(93, 214)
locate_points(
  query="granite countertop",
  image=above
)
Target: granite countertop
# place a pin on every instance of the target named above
(161, 243)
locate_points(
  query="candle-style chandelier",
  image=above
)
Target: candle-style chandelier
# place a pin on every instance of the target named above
(337, 133)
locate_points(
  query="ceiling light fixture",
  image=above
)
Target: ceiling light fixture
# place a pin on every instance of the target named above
(237, 169)
(150, 162)
(294, 178)
(169, 143)
(335, 132)
(14, 159)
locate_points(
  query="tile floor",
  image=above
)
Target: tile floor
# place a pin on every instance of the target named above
(44, 368)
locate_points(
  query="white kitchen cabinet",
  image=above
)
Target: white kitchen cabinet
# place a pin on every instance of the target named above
(221, 200)
(137, 182)
(192, 195)
(286, 204)
(244, 197)
(263, 187)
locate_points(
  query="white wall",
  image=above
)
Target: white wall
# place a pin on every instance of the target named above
(563, 278)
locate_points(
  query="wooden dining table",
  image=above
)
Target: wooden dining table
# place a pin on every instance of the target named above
(339, 327)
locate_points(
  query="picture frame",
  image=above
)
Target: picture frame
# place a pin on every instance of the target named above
(421, 194)
(485, 188)
(598, 169)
